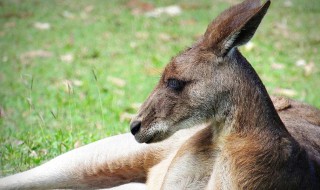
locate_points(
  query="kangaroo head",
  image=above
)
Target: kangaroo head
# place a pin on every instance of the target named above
(196, 85)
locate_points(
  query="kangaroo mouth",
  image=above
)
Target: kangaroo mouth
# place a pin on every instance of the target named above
(155, 132)
(144, 138)
(151, 138)
(159, 132)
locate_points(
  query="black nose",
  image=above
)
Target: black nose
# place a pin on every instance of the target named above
(135, 127)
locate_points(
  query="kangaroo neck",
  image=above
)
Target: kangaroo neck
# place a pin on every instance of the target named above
(251, 106)
(253, 141)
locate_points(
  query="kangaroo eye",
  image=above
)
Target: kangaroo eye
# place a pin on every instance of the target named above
(175, 84)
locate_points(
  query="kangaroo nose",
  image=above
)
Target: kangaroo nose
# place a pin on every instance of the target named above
(135, 127)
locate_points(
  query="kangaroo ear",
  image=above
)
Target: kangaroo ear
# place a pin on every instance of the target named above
(234, 27)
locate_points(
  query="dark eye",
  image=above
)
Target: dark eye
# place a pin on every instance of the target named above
(175, 84)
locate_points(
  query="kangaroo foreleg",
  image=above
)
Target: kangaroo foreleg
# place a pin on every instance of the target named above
(106, 163)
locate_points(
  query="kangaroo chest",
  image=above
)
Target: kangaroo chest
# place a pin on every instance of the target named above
(189, 167)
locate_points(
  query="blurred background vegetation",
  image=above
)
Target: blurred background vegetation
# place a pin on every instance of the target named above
(73, 72)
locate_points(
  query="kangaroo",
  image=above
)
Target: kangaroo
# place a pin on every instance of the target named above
(212, 82)
(244, 145)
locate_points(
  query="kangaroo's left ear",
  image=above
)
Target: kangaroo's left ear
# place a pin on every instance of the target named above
(234, 27)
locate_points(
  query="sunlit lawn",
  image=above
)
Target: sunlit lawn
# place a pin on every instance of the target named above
(72, 72)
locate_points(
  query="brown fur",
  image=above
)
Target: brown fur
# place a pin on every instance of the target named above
(255, 149)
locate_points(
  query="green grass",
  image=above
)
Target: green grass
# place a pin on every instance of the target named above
(50, 106)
